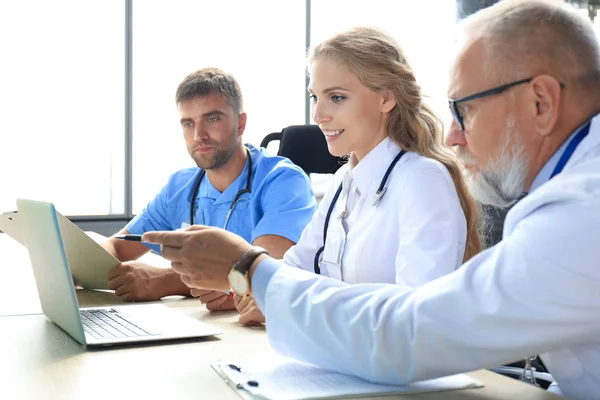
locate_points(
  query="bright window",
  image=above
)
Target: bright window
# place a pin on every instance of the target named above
(61, 130)
(63, 87)
(262, 43)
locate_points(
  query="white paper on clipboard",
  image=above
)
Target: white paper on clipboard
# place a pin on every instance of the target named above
(9, 224)
(282, 378)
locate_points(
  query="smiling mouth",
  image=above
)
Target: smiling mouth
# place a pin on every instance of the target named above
(333, 133)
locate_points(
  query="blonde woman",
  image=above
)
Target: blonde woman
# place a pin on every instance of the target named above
(398, 211)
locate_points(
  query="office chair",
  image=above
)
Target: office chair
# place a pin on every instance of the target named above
(305, 146)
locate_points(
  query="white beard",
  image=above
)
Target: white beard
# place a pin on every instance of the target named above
(500, 183)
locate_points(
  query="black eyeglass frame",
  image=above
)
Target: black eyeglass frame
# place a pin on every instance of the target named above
(453, 104)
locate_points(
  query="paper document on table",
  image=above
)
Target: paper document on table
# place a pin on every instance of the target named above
(9, 224)
(89, 261)
(287, 379)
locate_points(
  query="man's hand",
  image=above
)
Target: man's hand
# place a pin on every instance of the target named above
(214, 300)
(202, 255)
(249, 312)
(136, 281)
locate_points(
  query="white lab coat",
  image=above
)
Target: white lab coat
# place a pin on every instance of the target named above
(418, 227)
(537, 291)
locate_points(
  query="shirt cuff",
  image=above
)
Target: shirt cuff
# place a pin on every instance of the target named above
(261, 278)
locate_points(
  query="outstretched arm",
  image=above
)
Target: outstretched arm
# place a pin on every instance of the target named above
(535, 292)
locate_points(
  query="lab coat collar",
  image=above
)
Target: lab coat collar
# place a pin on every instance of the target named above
(540, 196)
(546, 172)
(373, 165)
(591, 141)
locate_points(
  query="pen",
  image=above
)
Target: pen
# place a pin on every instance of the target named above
(130, 237)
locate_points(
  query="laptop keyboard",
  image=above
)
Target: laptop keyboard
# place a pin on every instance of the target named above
(108, 324)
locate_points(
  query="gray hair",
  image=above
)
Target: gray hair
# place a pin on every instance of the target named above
(206, 81)
(529, 37)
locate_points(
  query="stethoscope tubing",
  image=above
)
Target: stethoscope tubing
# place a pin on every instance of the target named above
(378, 195)
(236, 198)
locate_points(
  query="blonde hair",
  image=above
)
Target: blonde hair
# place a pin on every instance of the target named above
(378, 62)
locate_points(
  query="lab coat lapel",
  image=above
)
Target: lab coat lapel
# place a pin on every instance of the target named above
(549, 191)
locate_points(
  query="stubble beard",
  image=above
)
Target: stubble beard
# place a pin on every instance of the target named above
(219, 158)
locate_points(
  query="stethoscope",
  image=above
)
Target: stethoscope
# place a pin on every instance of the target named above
(237, 197)
(378, 195)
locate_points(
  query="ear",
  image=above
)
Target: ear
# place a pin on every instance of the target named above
(389, 101)
(241, 123)
(546, 94)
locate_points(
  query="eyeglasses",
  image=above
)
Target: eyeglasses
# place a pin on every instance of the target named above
(453, 104)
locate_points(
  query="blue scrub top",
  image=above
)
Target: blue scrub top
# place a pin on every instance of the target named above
(281, 203)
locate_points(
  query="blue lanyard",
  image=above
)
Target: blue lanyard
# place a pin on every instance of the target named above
(570, 149)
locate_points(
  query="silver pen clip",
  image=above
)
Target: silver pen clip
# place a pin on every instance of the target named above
(378, 196)
(342, 215)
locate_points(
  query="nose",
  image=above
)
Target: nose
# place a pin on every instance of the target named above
(320, 114)
(455, 136)
(200, 133)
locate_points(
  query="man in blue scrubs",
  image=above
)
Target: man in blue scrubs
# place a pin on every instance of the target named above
(265, 199)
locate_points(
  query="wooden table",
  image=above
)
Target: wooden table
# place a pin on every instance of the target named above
(40, 361)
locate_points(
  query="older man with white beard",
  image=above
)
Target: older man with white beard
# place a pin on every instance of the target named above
(500, 182)
(525, 98)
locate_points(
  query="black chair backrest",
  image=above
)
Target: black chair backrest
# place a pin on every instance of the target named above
(305, 146)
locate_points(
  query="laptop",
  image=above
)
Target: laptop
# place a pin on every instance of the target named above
(101, 326)
(89, 261)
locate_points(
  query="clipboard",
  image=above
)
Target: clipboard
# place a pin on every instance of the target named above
(283, 378)
(237, 380)
(88, 260)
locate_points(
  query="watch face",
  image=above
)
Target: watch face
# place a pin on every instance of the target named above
(238, 282)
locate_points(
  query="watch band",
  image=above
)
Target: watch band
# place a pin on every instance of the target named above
(245, 263)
